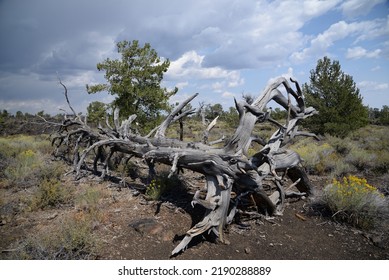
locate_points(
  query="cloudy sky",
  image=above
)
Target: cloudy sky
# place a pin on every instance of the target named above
(219, 48)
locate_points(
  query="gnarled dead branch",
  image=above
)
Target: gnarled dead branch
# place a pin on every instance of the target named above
(227, 169)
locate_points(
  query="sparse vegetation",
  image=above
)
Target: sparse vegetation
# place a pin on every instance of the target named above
(354, 201)
(38, 187)
(25, 161)
(51, 193)
(160, 185)
(88, 204)
(72, 240)
(364, 151)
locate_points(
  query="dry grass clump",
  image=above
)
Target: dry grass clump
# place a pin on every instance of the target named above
(51, 193)
(72, 240)
(88, 204)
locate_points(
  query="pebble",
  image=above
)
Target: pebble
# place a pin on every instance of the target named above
(135, 193)
(52, 216)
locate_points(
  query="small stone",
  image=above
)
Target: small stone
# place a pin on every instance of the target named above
(377, 241)
(147, 226)
(247, 250)
(167, 236)
(52, 216)
(135, 193)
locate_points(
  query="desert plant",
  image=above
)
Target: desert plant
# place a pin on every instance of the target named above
(318, 157)
(21, 169)
(25, 161)
(72, 240)
(160, 185)
(363, 160)
(88, 204)
(51, 193)
(155, 189)
(354, 201)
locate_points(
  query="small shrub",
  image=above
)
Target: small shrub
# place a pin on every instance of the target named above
(24, 160)
(160, 185)
(51, 193)
(77, 239)
(382, 162)
(341, 146)
(354, 201)
(155, 189)
(51, 170)
(89, 203)
(21, 169)
(363, 160)
(73, 240)
(342, 168)
(128, 168)
(318, 158)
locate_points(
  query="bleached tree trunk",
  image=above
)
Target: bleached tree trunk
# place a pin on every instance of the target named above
(228, 169)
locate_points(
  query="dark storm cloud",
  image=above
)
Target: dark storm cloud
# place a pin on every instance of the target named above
(206, 40)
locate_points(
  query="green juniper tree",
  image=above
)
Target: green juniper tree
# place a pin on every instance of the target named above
(335, 95)
(96, 112)
(135, 80)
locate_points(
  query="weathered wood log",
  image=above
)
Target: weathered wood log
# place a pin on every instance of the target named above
(227, 169)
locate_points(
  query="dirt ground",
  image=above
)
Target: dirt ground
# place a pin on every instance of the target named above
(299, 234)
(135, 228)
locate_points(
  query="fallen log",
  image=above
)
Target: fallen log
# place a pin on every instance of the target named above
(227, 169)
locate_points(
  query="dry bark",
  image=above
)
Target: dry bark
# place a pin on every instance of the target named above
(228, 169)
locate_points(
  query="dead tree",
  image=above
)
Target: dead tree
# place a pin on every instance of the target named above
(226, 170)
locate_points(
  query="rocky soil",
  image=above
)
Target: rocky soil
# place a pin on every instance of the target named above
(136, 228)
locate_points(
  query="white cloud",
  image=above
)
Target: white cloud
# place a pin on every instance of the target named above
(359, 52)
(354, 8)
(217, 86)
(228, 95)
(48, 105)
(317, 8)
(372, 86)
(181, 85)
(190, 66)
(289, 74)
(79, 80)
(336, 32)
